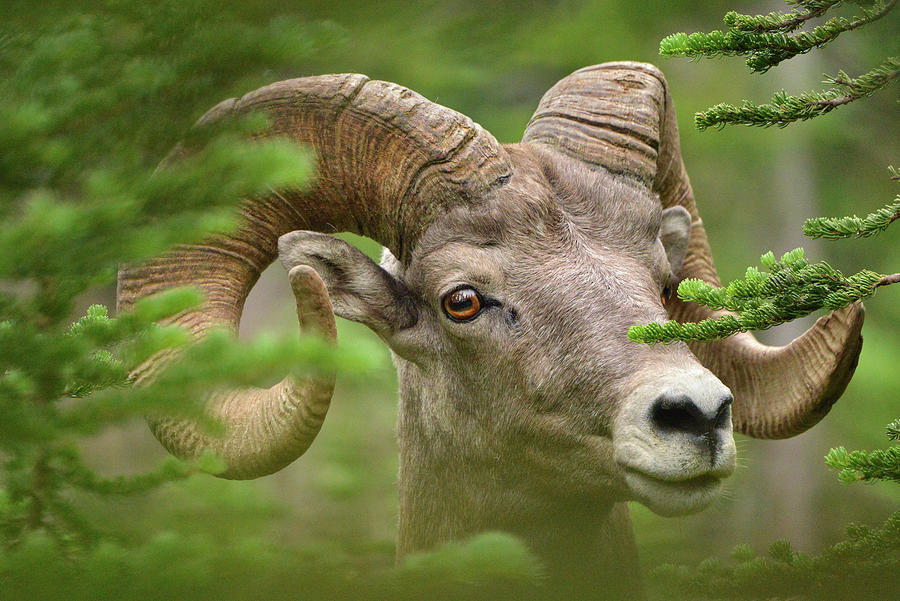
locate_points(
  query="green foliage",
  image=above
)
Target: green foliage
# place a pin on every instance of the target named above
(791, 287)
(893, 430)
(762, 38)
(120, 85)
(490, 564)
(880, 464)
(196, 567)
(867, 564)
(866, 465)
(776, 21)
(767, 41)
(854, 227)
(785, 109)
(88, 106)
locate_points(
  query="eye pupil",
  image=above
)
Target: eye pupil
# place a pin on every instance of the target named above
(460, 301)
(462, 304)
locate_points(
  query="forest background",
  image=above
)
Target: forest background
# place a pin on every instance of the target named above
(492, 60)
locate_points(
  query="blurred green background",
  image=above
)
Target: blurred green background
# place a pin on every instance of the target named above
(493, 60)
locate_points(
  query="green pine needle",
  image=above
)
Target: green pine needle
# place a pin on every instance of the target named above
(791, 288)
(880, 464)
(91, 102)
(70, 468)
(785, 109)
(777, 21)
(864, 566)
(763, 39)
(835, 228)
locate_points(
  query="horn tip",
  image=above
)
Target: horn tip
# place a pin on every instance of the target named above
(842, 332)
(820, 364)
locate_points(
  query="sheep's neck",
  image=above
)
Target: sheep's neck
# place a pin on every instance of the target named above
(579, 541)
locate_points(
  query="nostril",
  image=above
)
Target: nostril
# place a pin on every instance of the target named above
(681, 414)
(678, 413)
(723, 415)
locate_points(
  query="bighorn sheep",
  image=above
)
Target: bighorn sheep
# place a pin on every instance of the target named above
(510, 276)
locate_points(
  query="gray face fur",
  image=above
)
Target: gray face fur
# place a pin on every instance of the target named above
(543, 384)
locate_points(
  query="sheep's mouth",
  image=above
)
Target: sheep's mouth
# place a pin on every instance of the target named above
(685, 484)
(667, 495)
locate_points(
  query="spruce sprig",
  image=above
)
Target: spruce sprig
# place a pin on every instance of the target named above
(769, 47)
(779, 21)
(865, 566)
(70, 466)
(88, 105)
(879, 464)
(785, 109)
(791, 288)
(835, 228)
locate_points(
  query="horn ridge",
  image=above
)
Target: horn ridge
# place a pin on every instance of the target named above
(389, 161)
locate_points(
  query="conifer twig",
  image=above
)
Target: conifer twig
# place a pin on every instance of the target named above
(774, 21)
(792, 288)
(784, 109)
(832, 228)
(766, 49)
(888, 280)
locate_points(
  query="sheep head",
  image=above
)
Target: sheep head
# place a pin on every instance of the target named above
(511, 276)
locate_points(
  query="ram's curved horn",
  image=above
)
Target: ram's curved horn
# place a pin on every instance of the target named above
(619, 117)
(388, 161)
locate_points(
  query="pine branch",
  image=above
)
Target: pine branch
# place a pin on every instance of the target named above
(880, 464)
(776, 21)
(865, 566)
(888, 280)
(784, 109)
(768, 48)
(82, 127)
(792, 288)
(835, 228)
(70, 468)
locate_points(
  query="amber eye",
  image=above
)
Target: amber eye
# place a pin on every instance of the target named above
(463, 304)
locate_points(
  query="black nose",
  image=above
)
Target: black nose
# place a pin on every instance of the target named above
(679, 413)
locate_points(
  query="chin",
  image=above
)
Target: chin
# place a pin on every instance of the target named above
(673, 497)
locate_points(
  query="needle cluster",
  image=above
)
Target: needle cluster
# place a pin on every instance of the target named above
(784, 290)
(766, 41)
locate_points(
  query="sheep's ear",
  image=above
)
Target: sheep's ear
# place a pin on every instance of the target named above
(675, 233)
(360, 290)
